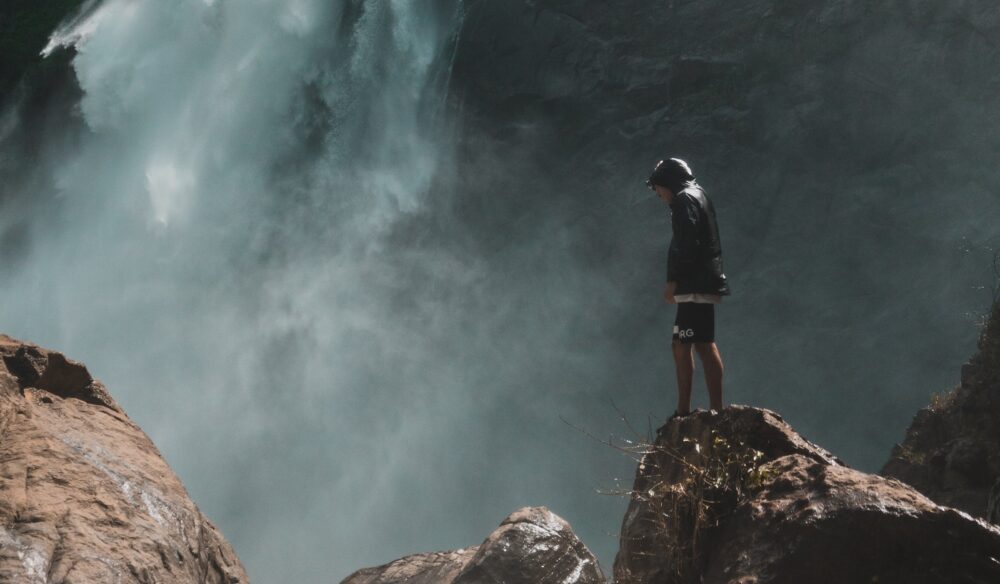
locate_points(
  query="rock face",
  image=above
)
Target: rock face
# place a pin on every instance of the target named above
(951, 451)
(740, 497)
(532, 545)
(84, 495)
(25, 27)
(799, 118)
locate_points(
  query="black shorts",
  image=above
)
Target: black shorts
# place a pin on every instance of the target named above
(695, 322)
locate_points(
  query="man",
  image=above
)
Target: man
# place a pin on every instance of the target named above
(695, 280)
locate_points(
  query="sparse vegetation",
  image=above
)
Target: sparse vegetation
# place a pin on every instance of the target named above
(721, 475)
(942, 400)
(911, 455)
(687, 491)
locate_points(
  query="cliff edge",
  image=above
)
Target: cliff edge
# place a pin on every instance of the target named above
(740, 497)
(84, 494)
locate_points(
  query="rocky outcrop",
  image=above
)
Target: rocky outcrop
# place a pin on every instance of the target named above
(430, 568)
(951, 452)
(532, 545)
(84, 494)
(814, 522)
(739, 496)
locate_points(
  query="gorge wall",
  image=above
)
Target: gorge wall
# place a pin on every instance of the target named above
(842, 142)
(245, 197)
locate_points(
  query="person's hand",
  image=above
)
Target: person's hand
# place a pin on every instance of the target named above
(668, 292)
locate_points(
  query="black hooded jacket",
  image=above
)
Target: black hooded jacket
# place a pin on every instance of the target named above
(695, 258)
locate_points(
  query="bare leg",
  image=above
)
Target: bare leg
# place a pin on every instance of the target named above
(711, 360)
(684, 360)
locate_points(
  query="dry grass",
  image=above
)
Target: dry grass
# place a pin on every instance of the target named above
(710, 489)
(688, 490)
(942, 400)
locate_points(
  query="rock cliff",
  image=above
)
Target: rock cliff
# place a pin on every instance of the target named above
(531, 546)
(809, 121)
(85, 497)
(739, 496)
(951, 451)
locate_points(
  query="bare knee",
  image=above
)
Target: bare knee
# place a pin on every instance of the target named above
(705, 349)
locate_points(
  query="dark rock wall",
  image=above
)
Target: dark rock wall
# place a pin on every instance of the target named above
(38, 97)
(847, 147)
(25, 26)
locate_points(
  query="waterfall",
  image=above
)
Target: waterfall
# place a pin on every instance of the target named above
(225, 246)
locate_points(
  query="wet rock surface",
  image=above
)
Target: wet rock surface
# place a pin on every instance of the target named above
(532, 545)
(738, 496)
(430, 568)
(826, 523)
(85, 496)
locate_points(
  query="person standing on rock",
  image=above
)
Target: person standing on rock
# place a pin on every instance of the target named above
(695, 280)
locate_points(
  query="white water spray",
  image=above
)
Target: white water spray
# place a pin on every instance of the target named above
(217, 252)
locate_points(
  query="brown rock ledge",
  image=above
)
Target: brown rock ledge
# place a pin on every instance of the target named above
(740, 497)
(85, 497)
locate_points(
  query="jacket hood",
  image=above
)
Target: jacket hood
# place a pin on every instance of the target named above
(673, 173)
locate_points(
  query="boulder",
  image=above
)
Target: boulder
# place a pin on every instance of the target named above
(84, 494)
(532, 545)
(815, 522)
(431, 568)
(739, 496)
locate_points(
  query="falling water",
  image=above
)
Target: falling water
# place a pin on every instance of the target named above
(221, 246)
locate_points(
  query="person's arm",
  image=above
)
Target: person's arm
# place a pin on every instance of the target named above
(668, 292)
(684, 245)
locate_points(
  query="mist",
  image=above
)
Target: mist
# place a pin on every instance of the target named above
(363, 314)
(217, 249)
